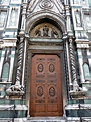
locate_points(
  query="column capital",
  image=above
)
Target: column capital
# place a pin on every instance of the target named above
(22, 34)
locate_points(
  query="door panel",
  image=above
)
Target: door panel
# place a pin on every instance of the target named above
(46, 86)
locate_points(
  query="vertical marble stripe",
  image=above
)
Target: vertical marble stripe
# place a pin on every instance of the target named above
(11, 65)
(80, 59)
(2, 61)
(89, 59)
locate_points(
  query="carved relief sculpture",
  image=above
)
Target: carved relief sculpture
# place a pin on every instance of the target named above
(54, 34)
(2, 18)
(46, 4)
(38, 33)
(14, 13)
(78, 18)
(45, 31)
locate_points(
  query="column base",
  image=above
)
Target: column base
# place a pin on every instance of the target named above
(15, 91)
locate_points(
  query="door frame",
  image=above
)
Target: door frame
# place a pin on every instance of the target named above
(60, 53)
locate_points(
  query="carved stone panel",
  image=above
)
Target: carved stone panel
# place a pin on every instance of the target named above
(45, 30)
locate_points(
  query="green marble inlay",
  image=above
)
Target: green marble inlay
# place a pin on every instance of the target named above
(72, 102)
(80, 56)
(11, 56)
(87, 101)
(89, 2)
(89, 56)
(2, 55)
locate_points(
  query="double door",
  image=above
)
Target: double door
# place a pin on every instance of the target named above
(46, 86)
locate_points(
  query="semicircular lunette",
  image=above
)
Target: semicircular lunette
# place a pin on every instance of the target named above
(45, 30)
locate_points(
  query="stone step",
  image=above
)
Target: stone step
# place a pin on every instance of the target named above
(46, 119)
(13, 119)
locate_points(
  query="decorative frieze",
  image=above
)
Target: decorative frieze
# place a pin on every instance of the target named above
(82, 45)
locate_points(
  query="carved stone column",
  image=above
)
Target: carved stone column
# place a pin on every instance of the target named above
(76, 92)
(73, 65)
(70, 49)
(20, 60)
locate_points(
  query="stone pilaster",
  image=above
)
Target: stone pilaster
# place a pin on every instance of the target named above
(74, 90)
(18, 89)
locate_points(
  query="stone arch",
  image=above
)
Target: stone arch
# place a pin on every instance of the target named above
(32, 19)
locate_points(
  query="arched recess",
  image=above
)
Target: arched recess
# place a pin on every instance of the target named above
(34, 19)
(56, 22)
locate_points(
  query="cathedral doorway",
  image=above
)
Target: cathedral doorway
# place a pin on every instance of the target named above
(46, 86)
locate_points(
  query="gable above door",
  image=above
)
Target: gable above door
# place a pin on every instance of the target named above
(42, 5)
(40, 11)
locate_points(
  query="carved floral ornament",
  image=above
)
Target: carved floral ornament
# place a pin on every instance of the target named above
(46, 30)
(46, 4)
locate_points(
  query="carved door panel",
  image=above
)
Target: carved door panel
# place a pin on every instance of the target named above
(46, 91)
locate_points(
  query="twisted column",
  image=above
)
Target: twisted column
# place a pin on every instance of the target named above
(73, 66)
(20, 61)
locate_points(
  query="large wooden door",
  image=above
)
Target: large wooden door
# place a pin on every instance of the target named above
(46, 86)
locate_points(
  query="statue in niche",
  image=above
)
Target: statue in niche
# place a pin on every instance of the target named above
(38, 33)
(13, 17)
(54, 34)
(45, 31)
(78, 18)
(2, 18)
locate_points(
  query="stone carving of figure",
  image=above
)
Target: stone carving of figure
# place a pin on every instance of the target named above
(45, 31)
(2, 18)
(38, 33)
(54, 34)
(78, 18)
